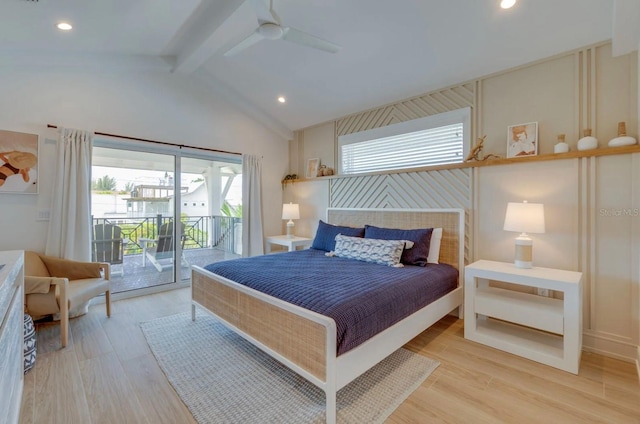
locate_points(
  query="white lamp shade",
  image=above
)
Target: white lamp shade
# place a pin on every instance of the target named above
(524, 217)
(290, 211)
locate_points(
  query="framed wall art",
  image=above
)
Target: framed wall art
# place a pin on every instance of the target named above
(312, 168)
(522, 140)
(18, 162)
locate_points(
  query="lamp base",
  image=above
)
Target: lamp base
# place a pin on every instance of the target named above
(524, 252)
(290, 226)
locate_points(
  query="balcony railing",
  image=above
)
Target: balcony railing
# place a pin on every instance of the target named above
(201, 232)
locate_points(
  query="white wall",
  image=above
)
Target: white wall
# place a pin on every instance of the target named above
(165, 107)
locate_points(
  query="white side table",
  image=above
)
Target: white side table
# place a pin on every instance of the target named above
(543, 329)
(291, 243)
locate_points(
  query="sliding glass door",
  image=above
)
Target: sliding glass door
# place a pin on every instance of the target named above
(156, 212)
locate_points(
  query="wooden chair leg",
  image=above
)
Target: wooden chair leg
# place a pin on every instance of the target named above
(64, 326)
(107, 301)
(64, 315)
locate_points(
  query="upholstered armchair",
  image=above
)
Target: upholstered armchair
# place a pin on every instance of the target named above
(56, 286)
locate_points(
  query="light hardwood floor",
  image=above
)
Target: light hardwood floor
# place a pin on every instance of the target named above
(107, 374)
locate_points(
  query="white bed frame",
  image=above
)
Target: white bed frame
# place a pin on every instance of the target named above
(305, 341)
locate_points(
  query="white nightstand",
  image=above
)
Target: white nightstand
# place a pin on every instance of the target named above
(292, 243)
(543, 329)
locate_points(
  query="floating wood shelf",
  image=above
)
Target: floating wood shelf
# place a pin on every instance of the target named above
(605, 151)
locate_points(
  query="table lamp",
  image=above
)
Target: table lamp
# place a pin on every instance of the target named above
(524, 218)
(290, 211)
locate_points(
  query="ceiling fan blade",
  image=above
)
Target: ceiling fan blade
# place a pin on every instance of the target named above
(247, 42)
(296, 36)
(264, 12)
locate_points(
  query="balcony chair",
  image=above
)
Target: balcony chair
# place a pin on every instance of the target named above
(55, 286)
(108, 246)
(161, 251)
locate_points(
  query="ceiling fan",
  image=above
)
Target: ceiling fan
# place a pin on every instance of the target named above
(270, 28)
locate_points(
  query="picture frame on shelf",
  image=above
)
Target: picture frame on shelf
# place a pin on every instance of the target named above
(18, 162)
(312, 167)
(522, 140)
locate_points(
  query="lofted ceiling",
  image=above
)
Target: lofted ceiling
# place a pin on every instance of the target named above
(390, 50)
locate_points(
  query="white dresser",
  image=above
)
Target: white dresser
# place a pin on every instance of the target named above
(11, 333)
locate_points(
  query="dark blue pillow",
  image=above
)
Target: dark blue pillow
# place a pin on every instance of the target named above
(326, 235)
(421, 238)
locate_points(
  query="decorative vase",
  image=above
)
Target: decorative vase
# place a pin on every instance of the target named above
(622, 139)
(587, 142)
(561, 147)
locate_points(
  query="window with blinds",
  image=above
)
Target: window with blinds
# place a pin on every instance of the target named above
(434, 140)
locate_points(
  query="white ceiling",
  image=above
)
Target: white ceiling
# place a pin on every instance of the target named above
(390, 49)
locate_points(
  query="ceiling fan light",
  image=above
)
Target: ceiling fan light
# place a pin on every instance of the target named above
(507, 4)
(270, 31)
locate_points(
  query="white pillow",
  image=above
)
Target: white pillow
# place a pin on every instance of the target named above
(434, 246)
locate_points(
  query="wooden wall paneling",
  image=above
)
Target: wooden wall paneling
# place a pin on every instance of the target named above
(635, 254)
(440, 101)
(543, 92)
(450, 188)
(431, 189)
(615, 93)
(612, 281)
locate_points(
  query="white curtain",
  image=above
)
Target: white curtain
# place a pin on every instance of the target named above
(252, 239)
(70, 218)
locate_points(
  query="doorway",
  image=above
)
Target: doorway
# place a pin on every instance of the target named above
(156, 212)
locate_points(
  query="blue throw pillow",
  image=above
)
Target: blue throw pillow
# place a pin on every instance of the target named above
(326, 235)
(421, 238)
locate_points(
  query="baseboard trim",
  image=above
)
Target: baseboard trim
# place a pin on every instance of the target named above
(607, 346)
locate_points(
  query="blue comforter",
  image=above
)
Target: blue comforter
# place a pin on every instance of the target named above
(362, 298)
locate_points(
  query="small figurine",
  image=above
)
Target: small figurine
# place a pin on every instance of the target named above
(476, 152)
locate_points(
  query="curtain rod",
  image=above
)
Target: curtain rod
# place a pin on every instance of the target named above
(157, 142)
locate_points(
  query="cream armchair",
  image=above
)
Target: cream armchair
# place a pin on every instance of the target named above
(56, 286)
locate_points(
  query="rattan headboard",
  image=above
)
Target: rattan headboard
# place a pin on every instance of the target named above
(450, 220)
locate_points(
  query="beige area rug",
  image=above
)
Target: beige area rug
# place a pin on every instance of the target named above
(222, 378)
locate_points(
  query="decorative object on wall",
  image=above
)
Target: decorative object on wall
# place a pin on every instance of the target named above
(290, 211)
(561, 146)
(290, 178)
(587, 142)
(522, 140)
(325, 171)
(477, 154)
(622, 139)
(524, 218)
(18, 162)
(312, 167)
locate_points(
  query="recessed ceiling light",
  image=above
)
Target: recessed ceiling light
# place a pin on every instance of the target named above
(64, 26)
(507, 4)
(282, 99)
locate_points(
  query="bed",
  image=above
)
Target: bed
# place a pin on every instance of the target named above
(311, 343)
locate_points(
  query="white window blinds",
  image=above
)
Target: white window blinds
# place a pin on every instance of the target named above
(435, 140)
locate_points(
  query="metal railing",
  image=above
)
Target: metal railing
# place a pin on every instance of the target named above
(200, 232)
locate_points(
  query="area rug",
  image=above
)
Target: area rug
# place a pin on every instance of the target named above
(222, 378)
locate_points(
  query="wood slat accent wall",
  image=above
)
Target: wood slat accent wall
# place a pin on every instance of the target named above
(444, 100)
(447, 188)
(410, 190)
